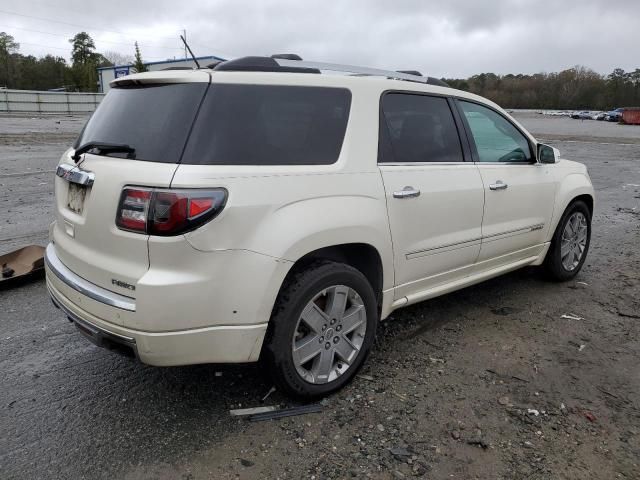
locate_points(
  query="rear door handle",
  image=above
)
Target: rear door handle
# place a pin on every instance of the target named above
(499, 185)
(406, 192)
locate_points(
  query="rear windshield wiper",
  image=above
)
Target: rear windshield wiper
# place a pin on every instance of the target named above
(103, 147)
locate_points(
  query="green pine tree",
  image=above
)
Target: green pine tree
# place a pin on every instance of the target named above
(137, 63)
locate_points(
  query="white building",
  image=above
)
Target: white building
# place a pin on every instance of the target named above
(106, 74)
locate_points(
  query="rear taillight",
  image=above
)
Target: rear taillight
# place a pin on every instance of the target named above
(167, 212)
(133, 210)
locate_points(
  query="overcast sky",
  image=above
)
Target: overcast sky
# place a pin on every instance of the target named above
(445, 38)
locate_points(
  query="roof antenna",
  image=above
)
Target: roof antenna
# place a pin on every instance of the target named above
(190, 52)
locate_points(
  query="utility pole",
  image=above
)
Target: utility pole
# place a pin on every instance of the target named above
(184, 33)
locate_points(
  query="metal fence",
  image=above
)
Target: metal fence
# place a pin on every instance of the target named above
(32, 101)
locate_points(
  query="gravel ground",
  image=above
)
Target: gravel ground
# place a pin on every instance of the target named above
(487, 382)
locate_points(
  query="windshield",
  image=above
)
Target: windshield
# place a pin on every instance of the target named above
(153, 119)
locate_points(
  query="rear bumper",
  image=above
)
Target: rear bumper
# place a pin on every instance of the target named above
(99, 337)
(220, 344)
(88, 306)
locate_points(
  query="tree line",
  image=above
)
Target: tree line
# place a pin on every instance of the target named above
(26, 72)
(578, 88)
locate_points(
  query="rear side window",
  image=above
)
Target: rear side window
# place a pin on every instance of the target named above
(269, 125)
(417, 128)
(154, 119)
(496, 139)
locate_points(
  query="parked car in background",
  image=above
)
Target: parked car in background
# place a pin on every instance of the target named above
(600, 116)
(614, 115)
(585, 115)
(263, 210)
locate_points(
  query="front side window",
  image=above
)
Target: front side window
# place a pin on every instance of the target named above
(269, 125)
(416, 129)
(496, 139)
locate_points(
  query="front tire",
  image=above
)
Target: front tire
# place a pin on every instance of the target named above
(570, 243)
(322, 328)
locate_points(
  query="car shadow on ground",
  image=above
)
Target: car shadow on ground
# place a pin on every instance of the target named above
(504, 295)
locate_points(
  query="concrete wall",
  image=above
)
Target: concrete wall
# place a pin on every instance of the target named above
(48, 102)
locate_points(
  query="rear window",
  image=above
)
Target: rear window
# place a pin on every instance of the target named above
(269, 125)
(154, 119)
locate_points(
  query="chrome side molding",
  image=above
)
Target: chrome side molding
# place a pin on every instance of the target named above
(72, 173)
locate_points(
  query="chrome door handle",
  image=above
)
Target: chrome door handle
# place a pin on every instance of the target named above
(406, 192)
(499, 185)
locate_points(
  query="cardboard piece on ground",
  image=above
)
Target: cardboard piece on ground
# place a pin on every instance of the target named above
(25, 262)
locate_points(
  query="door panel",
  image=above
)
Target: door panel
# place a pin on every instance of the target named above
(436, 236)
(516, 217)
(434, 198)
(519, 193)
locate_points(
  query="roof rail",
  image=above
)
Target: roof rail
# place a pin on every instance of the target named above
(287, 56)
(264, 64)
(411, 72)
(364, 71)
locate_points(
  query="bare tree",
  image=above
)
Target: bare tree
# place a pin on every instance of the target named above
(117, 58)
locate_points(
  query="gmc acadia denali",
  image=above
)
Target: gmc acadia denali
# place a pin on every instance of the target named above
(273, 209)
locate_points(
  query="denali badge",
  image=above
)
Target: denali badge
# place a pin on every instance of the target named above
(120, 283)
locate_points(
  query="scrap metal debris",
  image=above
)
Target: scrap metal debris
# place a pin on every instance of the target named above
(238, 412)
(399, 452)
(271, 390)
(286, 412)
(479, 442)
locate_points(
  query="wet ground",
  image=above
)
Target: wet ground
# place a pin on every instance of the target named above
(488, 382)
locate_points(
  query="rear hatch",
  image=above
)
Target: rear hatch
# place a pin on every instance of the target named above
(153, 119)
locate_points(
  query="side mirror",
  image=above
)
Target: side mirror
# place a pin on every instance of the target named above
(548, 154)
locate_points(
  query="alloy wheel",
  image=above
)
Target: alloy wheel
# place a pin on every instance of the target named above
(329, 334)
(574, 241)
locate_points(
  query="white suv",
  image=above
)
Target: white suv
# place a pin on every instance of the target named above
(266, 209)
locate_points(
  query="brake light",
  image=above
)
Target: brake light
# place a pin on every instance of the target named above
(198, 206)
(133, 210)
(168, 212)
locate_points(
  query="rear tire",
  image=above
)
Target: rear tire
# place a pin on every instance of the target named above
(570, 243)
(321, 330)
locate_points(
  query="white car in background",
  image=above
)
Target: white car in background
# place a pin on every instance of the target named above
(269, 210)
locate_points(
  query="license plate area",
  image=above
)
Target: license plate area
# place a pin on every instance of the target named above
(76, 197)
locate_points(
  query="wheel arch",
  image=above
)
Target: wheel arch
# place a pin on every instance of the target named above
(362, 256)
(587, 199)
(573, 188)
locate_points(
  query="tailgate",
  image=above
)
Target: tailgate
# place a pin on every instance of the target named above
(86, 238)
